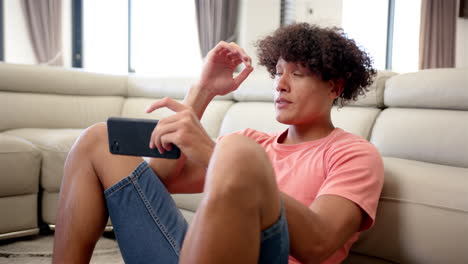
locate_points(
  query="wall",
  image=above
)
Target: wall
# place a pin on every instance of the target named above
(18, 47)
(326, 13)
(257, 18)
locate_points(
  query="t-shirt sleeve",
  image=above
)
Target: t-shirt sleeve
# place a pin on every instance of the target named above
(355, 171)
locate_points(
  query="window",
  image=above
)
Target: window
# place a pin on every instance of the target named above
(368, 27)
(405, 55)
(157, 38)
(164, 38)
(105, 37)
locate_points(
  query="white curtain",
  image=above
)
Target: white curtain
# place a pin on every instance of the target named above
(44, 23)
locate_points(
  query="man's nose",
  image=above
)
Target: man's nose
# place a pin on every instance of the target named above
(282, 83)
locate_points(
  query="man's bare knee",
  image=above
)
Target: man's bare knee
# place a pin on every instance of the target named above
(92, 137)
(239, 166)
(241, 174)
(241, 150)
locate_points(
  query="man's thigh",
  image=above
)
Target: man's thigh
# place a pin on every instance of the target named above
(109, 168)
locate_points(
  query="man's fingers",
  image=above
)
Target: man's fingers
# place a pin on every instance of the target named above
(246, 58)
(222, 46)
(168, 139)
(233, 48)
(166, 102)
(242, 76)
(159, 132)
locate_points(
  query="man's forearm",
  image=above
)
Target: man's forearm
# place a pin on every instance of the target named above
(299, 217)
(198, 99)
(317, 231)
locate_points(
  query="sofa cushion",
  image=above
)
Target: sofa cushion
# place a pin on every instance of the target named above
(422, 215)
(375, 96)
(59, 80)
(258, 87)
(189, 202)
(211, 121)
(255, 115)
(421, 183)
(433, 88)
(54, 145)
(49, 206)
(20, 163)
(22, 110)
(436, 136)
(158, 87)
(356, 120)
(19, 216)
(20, 168)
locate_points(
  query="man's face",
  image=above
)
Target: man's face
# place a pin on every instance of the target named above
(301, 97)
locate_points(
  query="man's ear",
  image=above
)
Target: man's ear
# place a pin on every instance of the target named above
(337, 87)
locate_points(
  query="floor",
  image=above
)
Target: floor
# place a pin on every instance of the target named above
(38, 250)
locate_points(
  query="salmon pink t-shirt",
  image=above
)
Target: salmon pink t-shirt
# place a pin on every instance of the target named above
(341, 164)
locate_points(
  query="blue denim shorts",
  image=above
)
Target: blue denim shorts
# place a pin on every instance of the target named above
(150, 228)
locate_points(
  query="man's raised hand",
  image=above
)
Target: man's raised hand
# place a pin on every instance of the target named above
(217, 76)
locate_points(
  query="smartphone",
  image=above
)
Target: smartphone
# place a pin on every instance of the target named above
(131, 136)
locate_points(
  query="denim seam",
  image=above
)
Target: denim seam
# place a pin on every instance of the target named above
(118, 189)
(277, 229)
(125, 181)
(155, 217)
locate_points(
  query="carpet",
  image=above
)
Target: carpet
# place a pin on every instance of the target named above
(38, 250)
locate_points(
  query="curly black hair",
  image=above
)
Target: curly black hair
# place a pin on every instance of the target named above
(327, 52)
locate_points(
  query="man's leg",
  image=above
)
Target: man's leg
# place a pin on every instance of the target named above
(241, 199)
(82, 213)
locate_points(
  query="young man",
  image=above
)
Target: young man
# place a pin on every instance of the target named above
(306, 192)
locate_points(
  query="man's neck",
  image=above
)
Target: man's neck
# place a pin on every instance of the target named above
(302, 133)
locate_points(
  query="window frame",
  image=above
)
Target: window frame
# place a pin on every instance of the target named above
(390, 29)
(129, 38)
(77, 33)
(2, 50)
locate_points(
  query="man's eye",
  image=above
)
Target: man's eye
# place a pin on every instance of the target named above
(278, 74)
(298, 74)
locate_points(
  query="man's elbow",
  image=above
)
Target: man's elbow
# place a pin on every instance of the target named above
(315, 253)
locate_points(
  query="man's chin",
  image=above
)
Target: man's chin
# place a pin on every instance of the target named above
(283, 120)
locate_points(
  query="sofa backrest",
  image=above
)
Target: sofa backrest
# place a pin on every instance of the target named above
(423, 138)
(435, 100)
(52, 97)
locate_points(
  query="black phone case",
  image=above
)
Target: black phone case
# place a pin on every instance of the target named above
(131, 136)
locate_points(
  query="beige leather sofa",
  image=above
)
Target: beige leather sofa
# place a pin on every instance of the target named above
(418, 121)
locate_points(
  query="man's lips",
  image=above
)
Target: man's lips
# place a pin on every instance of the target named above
(282, 103)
